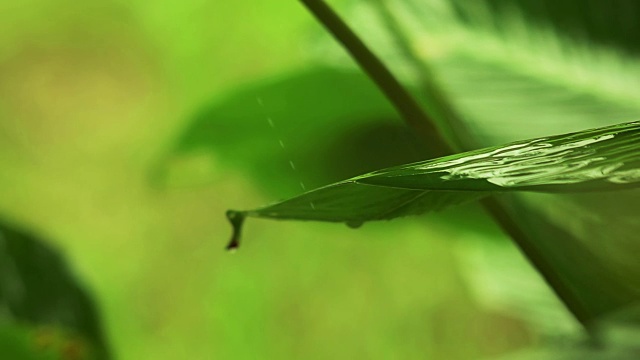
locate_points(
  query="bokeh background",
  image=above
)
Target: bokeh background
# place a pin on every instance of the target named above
(94, 97)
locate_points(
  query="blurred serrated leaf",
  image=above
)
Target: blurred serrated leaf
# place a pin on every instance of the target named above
(509, 77)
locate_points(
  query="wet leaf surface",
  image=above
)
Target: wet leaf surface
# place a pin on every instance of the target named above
(602, 159)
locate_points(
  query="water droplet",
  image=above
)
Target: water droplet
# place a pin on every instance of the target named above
(313, 206)
(281, 144)
(270, 121)
(354, 224)
(236, 219)
(293, 166)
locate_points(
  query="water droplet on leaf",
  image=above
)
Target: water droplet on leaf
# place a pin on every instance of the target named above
(354, 224)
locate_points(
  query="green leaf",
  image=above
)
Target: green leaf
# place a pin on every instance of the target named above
(38, 289)
(600, 159)
(330, 123)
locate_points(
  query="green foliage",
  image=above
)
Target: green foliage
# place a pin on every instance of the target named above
(91, 92)
(19, 344)
(601, 159)
(38, 289)
(510, 77)
(265, 128)
(572, 162)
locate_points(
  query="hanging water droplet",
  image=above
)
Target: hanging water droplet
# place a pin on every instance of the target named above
(354, 224)
(236, 219)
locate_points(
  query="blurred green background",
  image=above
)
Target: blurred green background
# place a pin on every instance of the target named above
(93, 97)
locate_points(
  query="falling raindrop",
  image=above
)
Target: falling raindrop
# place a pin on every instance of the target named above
(272, 124)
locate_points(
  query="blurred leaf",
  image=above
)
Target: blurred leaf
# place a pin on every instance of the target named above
(510, 77)
(604, 224)
(600, 285)
(592, 160)
(610, 23)
(38, 289)
(618, 339)
(622, 327)
(18, 344)
(313, 126)
(574, 352)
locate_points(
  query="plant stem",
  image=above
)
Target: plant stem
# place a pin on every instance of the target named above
(425, 127)
(527, 245)
(382, 76)
(447, 119)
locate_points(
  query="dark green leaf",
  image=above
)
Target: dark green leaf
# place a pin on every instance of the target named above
(38, 289)
(608, 23)
(17, 343)
(330, 123)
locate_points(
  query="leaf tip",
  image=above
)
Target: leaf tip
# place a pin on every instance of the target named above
(236, 218)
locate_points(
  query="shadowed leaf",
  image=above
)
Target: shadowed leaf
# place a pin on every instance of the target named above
(330, 124)
(37, 289)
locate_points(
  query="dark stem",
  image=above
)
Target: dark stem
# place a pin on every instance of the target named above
(449, 122)
(380, 74)
(425, 127)
(508, 224)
